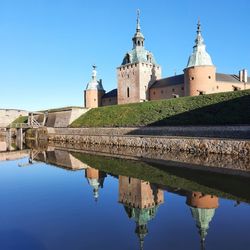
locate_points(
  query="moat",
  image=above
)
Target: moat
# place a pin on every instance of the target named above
(60, 198)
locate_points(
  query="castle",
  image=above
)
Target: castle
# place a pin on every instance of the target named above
(139, 77)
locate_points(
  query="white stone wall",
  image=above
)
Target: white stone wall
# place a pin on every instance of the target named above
(7, 116)
(62, 119)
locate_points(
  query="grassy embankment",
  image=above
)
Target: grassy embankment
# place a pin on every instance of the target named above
(214, 109)
(20, 119)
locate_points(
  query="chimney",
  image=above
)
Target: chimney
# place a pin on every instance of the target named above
(244, 75)
(241, 75)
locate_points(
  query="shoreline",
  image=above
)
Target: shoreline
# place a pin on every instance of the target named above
(145, 138)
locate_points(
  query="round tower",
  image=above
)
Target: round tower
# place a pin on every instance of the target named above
(200, 73)
(94, 91)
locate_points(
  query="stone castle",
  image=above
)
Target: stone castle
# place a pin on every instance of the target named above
(139, 77)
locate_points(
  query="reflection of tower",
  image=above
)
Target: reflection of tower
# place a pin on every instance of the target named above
(202, 208)
(141, 201)
(95, 179)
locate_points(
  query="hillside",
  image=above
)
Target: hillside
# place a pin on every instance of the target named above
(214, 109)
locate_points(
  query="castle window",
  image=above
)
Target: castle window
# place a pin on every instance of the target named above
(217, 87)
(94, 100)
(129, 180)
(127, 91)
(162, 91)
(139, 44)
(154, 93)
(182, 88)
(128, 75)
(209, 77)
(109, 100)
(235, 88)
(173, 90)
(201, 92)
(192, 78)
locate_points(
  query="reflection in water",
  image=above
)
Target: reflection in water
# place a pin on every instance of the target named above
(95, 179)
(141, 201)
(140, 197)
(202, 207)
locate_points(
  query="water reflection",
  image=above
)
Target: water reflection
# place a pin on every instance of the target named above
(141, 186)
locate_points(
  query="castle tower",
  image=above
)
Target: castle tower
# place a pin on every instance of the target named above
(137, 71)
(94, 91)
(95, 179)
(200, 71)
(202, 207)
(141, 201)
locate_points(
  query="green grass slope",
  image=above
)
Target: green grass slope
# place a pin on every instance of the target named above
(20, 119)
(214, 109)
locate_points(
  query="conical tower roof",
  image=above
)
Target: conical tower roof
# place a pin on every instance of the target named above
(203, 217)
(94, 84)
(138, 53)
(199, 57)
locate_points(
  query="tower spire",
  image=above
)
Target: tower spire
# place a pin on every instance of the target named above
(199, 39)
(138, 27)
(94, 72)
(138, 39)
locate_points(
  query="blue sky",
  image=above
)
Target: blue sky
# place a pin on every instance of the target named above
(47, 46)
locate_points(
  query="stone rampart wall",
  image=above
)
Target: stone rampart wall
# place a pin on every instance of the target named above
(175, 144)
(7, 116)
(236, 132)
(62, 119)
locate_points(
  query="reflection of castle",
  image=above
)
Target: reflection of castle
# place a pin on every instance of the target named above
(141, 201)
(95, 179)
(202, 208)
(139, 77)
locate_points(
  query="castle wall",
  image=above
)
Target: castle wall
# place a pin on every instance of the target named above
(230, 86)
(92, 173)
(128, 79)
(138, 193)
(93, 98)
(166, 92)
(199, 200)
(63, 118)
(109, 101)
(134, 81)
(200, 80)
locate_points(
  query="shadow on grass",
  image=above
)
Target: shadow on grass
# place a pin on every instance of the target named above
(231, 112)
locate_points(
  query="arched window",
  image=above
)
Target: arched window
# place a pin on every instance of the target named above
(139, 43)
(127, 91)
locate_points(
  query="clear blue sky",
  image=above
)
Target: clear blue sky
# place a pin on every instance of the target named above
(47, 46)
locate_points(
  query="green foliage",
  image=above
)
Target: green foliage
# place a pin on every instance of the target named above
(214, 109)
(20, 119)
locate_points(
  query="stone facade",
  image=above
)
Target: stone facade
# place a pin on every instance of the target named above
(63, 117)
(138, 193)
(7, 116)
(175, 144)
(139, 77)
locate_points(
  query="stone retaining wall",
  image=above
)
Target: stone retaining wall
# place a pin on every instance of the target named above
(214, 162)
(175, 144)
(235, 132)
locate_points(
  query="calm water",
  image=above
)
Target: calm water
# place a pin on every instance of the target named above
(91, 202)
